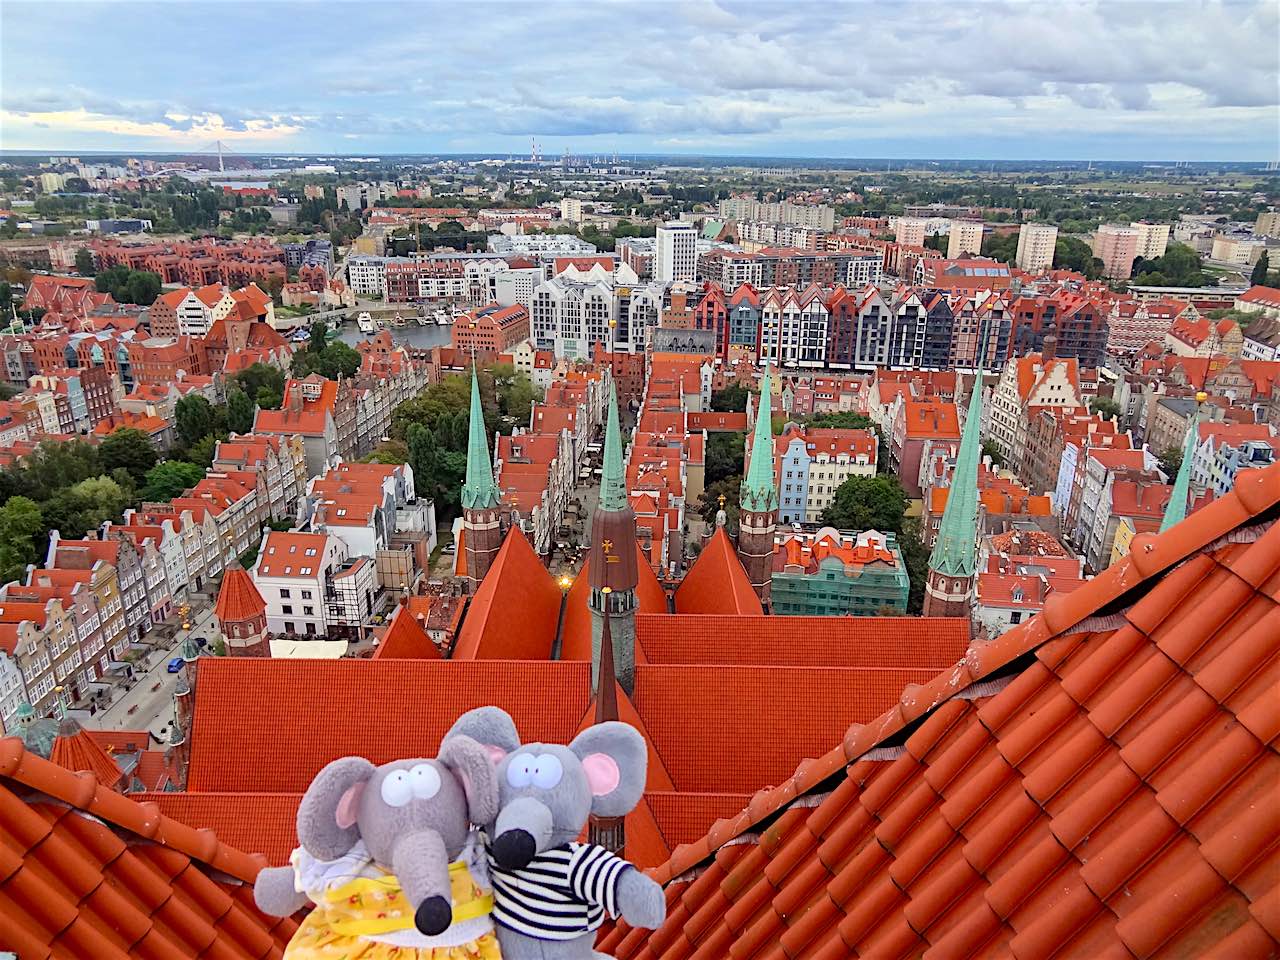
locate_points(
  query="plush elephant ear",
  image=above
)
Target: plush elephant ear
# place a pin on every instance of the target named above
(471, 764)
(491, 727)
(615, 759)
(327, 815)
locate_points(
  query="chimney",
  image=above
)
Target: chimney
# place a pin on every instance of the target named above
(1050, 349)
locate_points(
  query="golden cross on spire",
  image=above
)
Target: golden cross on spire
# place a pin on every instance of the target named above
(721, 499)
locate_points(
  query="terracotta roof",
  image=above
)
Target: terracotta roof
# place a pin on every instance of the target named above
(716, 583)
(264, 823)
(931, 642)
(1092, 783)
(405, 639)
(514, 613)
(760, 721)
(286, 552)
(238, 598)
(931, 419)
(409, 703)
(88, 872)
(75, 749)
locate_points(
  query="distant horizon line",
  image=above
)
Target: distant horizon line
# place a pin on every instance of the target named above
(555, 160)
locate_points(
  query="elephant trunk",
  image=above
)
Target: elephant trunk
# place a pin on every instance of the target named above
(523, 831)
(421, 863)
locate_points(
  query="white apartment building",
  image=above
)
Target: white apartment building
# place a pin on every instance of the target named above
(571, 209)
(814, 216)
(198, 310)
(1036, 243)
(291, 573)
(793, 327)
(1153, 239)
(368, 275)
(567, 317)
(964, 237)
(676, 255)
(863, 270)
(1240, 250)
(512, 287)
(540, 244)
(910, 231)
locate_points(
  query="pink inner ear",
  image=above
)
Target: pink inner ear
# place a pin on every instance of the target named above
(345, 815)
(602, 773)
(496, 754)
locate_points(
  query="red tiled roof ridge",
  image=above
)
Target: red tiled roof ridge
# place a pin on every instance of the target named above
(1255, 491)
(84, 792)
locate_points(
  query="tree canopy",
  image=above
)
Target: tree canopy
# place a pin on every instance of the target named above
(20, 523)
(868, 503)
(732, 399)
(130, 449)
(166, 480)
(129, 286)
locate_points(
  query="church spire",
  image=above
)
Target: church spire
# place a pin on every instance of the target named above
(954, 552)
(1177, 508)
(479, 492)
(613, 489)
(759, 492)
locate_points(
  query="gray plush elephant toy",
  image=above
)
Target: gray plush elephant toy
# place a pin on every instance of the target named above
(550, 891)
(411, 818)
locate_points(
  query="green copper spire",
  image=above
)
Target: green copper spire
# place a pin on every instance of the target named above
(955, 550)
(479, 491)
(613, 485)
(759, 491)
(1177, 508)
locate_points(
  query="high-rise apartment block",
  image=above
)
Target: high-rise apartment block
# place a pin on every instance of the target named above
(1268, 224)
(1116, 246)
(965, 238)
(910, 231)
(1036, 242)
(676, 257)
(1153, 238)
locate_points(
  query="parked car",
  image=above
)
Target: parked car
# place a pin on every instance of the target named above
(174, 665)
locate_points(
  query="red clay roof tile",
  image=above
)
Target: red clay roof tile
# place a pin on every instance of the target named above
(82, 877)
(513, 615)
(1106, 795)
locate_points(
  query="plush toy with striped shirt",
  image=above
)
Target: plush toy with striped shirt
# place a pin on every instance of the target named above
(551, 893)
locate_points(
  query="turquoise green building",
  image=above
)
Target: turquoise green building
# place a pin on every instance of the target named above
(858, 574)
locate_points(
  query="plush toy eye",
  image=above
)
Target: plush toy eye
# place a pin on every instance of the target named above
(397, 788)
(547, 771)
(520, 770)
(425, 780)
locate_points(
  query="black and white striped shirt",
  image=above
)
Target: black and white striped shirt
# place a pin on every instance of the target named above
(562, 893)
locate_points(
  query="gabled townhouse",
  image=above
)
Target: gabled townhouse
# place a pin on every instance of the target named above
(814, 462)
(118, 578)
(1203, 337)
(1223, 449)
(280, 460)
(309, 412)
(164, 533)
(1036, 380)
(202, 544)
(40, 638)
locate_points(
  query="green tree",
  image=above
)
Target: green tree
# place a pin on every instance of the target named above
(1001, 246)
(1171, 461)
(20, 522)
(732, 399)
(724, 456)
(239, 411)
(915, 557)
(1179, 267)
(166, 480)
(194, 418)
(202, 451)
(989, 449)
(709, 501)
(1072, 253)
(423, 455)
(130, 449)
(253, 379)
(84, 262)
(76, 510)
(1258, 276)
(868, 503)
(318, 333)
(1108, 408)
(52, 466)
(269, 399)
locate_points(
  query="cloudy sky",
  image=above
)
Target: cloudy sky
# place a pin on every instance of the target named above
(1113, 80)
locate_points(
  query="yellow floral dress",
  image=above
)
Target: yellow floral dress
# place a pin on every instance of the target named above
(366, 917)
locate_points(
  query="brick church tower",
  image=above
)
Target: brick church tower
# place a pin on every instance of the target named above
(483, 520)
(612, 569)
(242, 615)
(758, 502)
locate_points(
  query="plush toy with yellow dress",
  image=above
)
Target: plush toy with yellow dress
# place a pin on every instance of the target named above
(389, 858)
